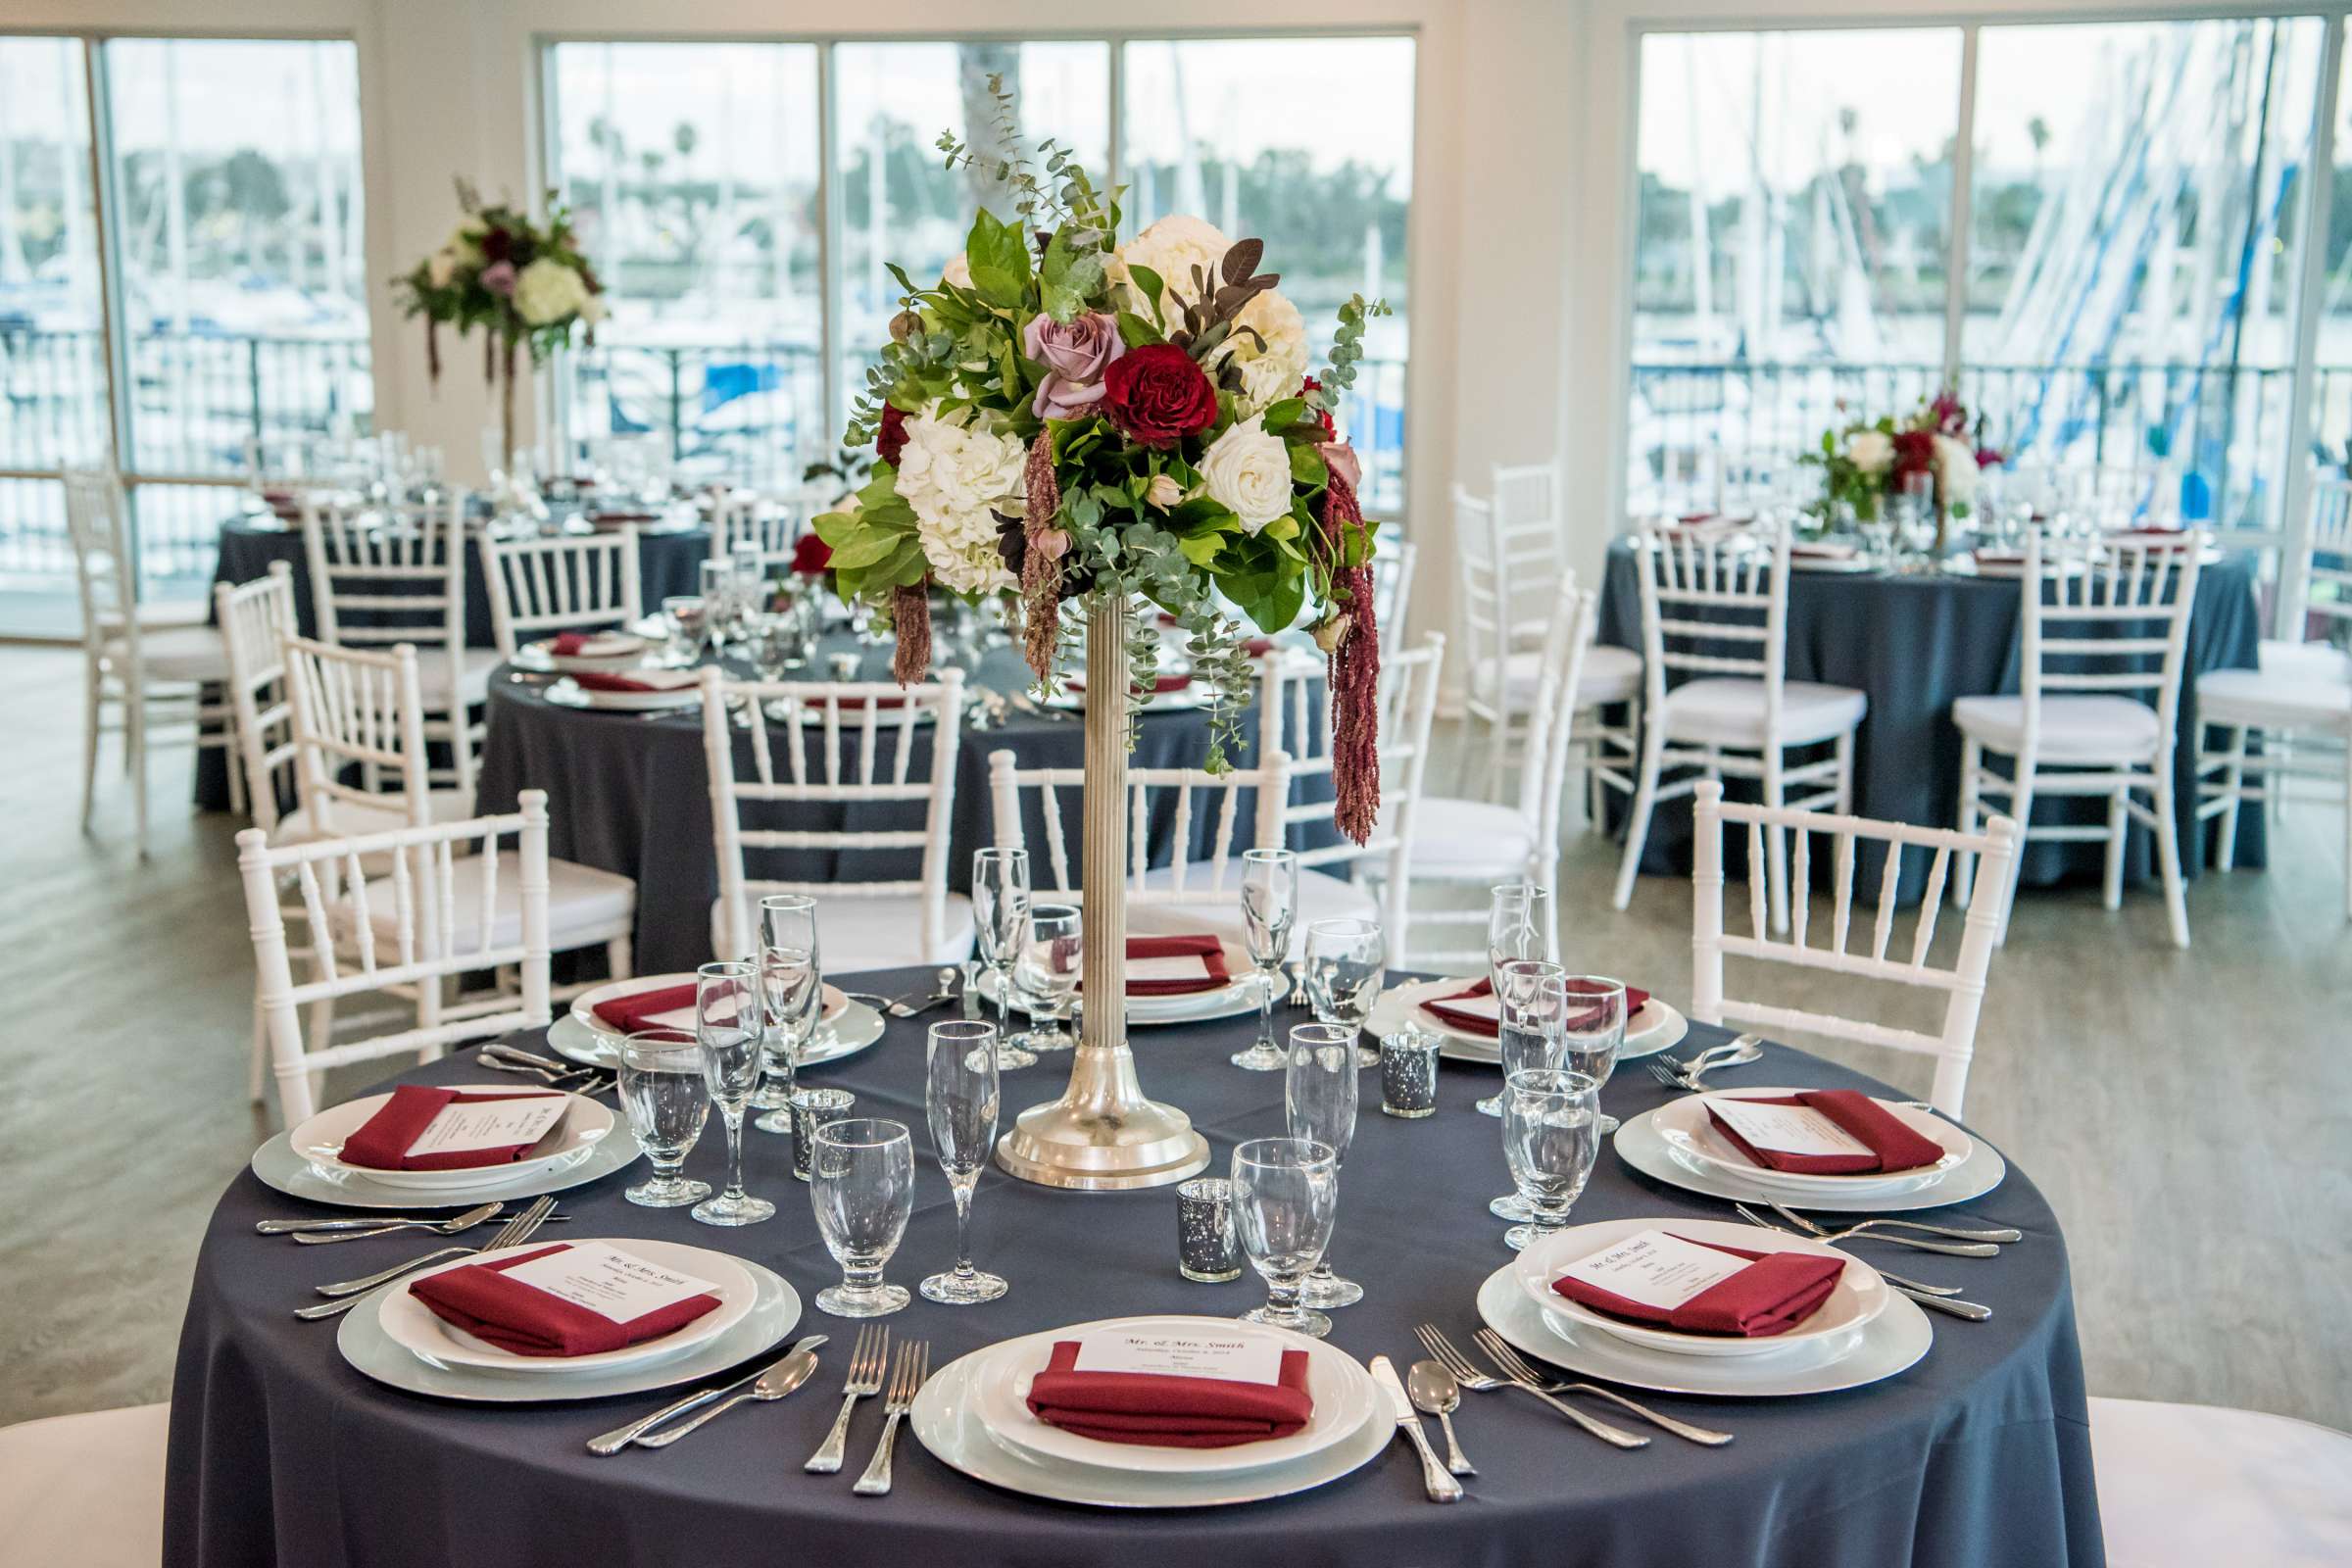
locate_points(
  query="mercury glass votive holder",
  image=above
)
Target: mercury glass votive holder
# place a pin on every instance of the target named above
(812, 1108)
(1408, 1073)
(1206, 1250)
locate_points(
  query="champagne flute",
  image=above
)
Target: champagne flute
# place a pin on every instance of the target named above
(1518, 924)
(1286, 1193)
(861, 1185)
(1319, 1104)
(1592, 1031)
(1345, 962)
(1269, 909)
(1047, 971)
(1531, 1011)
(1001, 912)
(960, 1097)
(1550, 1138)
(667, 1099)
(791, 984)
(728, 1025)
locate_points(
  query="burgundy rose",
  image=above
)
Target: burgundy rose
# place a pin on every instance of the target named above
(1075, 357)
(810, 556)
(1157, 395)
(1914, 452)
(891, 440)
(495, 244)
(1989, 457)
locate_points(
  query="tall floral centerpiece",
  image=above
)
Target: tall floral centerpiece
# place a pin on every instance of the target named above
(1091, 426)
(1864, 462)
(524, 283)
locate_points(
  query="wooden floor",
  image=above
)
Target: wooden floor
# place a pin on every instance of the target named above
(2188, 1113)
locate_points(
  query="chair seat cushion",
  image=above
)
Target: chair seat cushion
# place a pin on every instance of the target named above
(1468, 839)
(1610, 675)
(584, 905)
(169, 612)
(2074, 728)
(2181, 1486)
(2306, 661)
(177, 652)
(2263, 698)
(86, 1490)
(353, 819)
(1321, 897)
(1723, 710)
(877, 933)
(473, 676)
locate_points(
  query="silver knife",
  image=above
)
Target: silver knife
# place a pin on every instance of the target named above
(621, 1438)
(1950, 1306)
(971, 993)
(1442, 1488)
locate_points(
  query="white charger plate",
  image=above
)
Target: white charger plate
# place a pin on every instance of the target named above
(1639, 1145)
(1841, 566)
(1686, 1128)
(1889, 1344)
(415, 1327)
(583, 1124)
(843, 1033)
(945, 1421)
(1344, 1394)
(1860, 1293)
(1657, 1027)
(1232, 1001)
(584, 1006)
(541, 659)
(568, 693)
(775, 1311)
(276, 1166)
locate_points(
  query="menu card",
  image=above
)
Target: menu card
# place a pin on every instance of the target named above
(1184, 967)
(619, 1287)
(1787, 1128)
(465, 1126)
(1232, 1357)
(1655, 1269)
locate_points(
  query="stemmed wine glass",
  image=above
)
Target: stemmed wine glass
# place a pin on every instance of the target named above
(791, 986)
(861, 1185)
(1286, 1193)
(1000, 912)
(1532, 1005)
(1046, 973)
(1518, 924)
(1269, 909)
(1318, 1102)
(1592, 1031)
(1550, 1138)
(1345, 962)
(667, 1099)
(728, 1025)
(960, 1097)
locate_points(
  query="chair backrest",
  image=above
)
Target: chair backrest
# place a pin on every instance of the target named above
(769, 525)
(354, 709)
(1714, 601)
(846, 725)
(379, 577)
(1482, 609)
(348, 907)
(572, 582)
(2097, 610)
(101, 539)
(1544, 780)
(1392, 591)
(255, 619)
(1962, 982)
(2321, 575)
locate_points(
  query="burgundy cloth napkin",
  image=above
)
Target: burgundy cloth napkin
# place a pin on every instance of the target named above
(604, 680)
(568, 644)
(1773, 1295)
(1893, 1145)
(1171, 1412)
(1212, 954)
(629, 1014)
(615, 519)
(1635, 1000)
(382, 1141)
(1822, 552)
(479, 1299)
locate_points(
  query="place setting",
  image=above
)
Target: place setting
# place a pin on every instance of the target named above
(454, 1145)
(601, 1018)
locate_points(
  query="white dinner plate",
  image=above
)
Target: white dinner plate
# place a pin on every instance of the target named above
(1231, 1000)
(414, 1326)
(1841, 565)
(843, 1031)
(775, 1311)
(1657, 1027)
(276, 1166)
(1639, 1145)
(568, 693)
(1888, 1344)
(1687, 1130)
(584, 1006)
(541, 659)
(583, 1124)
(1859, 1295)
(1344, 1395)
(945, 1421)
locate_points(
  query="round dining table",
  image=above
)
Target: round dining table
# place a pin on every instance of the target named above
(1978, 1453)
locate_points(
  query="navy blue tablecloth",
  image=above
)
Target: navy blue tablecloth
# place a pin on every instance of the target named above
(1915, 643)
(1979, 1455)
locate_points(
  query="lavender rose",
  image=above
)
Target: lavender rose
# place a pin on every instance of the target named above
(1074, 357)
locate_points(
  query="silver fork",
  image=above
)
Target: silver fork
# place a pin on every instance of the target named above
(513, 1233)
(1999, 1233)
(1470, 1377)
(1685, 1075)
(867, 1358)
(1297, 996)
(906, 1381)
(1859, 1232)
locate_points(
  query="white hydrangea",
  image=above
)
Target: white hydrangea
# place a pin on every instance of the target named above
(1248, 471)
(953, 477)
(1172, 248)
(547, 291)
(1956, 469)
(1871, 451)
(1276, 371)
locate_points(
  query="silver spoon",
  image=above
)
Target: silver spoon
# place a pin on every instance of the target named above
(775, 1383)
(1434, 1393)
(447, 1227)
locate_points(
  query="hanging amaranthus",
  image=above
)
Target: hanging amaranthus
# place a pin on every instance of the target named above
(1041, 568)
(1355, 681)
(910, 613)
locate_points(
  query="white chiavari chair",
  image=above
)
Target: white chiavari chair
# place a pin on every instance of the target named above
(87, 1487)
(2093, 719)
(769, 524)
(255, 618)
(2184, 1485)
(417, 924)
(1392, 591)
(2300, 699)
(1715, 603)
(381, 576)
(572, 582)
(153, 670)
(869, 922)
(1886, 960)
(1293, 718)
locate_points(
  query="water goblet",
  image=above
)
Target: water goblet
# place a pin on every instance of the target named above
(1000, 915)
(718, 579)
(1269, 909)
(1526, 1027)
(791, 987)
(1518, 924)
(683, 617)
(1286, 1193)
(729, 1027)
(861, 1185)
(1319, 1094)
(1344, 960)
(1550, 1138)
(1592, 1031)
(667, 1099)
(961, 1101)
(1047, 971)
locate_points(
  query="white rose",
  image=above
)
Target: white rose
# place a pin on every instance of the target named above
(952, 477)
(1279, 368)
(1248, 471)
(1955, 470)
(1172, 248)
(592, 310)
(441, 268)
(958, 272)
(1871, 451)
(547, 292)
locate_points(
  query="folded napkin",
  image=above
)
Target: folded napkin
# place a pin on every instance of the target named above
(382, 1141)
(651, 680)
(616, 520)
(1206, 948)
(1821, 551)
(479, 1299)
(1174, 1412)
(1894, 1146)
(1478, 1023)
(1773, 1295)
(592, 644)
(639, 1009)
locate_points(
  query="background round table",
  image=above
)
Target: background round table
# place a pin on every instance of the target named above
(1913, 643)
(1978, 1455)
(630, 793)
